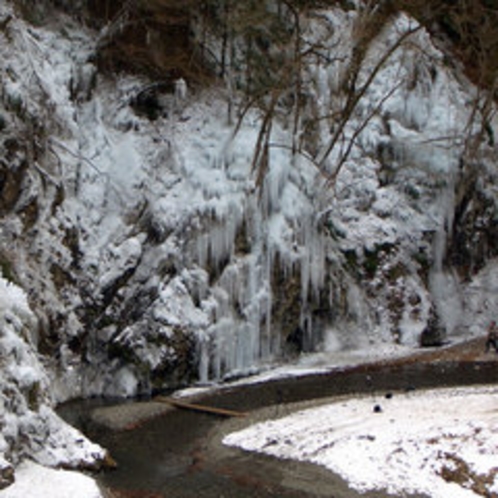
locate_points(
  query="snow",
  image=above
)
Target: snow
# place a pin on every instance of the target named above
(160, 209)
(440, 442)
(33, 480)
(30, 427)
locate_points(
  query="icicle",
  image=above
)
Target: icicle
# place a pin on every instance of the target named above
(317, 272)
(442, 285)
(202, 250)
(266, 339)
(203, 361)
(305, 276)
(181, 90)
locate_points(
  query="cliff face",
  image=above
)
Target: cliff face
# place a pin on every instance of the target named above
(354, 206)
(158, 231)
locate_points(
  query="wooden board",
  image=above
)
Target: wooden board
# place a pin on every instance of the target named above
(199, 408)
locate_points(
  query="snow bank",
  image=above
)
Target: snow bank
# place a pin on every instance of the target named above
(440, 442)
(34, 480)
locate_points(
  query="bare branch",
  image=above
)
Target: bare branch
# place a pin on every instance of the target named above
(333, 176)
(355, 97)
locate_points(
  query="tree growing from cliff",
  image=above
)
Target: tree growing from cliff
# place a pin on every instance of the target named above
(468, 30)
(262, 52)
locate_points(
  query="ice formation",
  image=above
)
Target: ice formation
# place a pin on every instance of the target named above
(171, 261)
(29, 425)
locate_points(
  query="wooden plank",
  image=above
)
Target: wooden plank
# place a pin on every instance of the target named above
(199, 408)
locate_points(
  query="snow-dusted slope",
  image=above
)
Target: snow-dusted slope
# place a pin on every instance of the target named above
(437, 443)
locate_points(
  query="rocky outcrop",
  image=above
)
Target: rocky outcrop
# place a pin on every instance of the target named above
(29, 427)
(153, 254)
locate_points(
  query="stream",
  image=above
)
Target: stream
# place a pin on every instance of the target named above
(179, 453)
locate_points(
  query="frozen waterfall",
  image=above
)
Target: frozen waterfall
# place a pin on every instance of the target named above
(241, 246)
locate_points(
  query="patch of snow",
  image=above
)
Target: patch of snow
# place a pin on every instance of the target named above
(440, 442)
(34, 480)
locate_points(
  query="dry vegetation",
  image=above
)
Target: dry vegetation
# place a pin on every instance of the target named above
(456, 470)
(155, 36)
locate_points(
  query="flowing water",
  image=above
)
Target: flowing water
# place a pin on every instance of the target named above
(179, 454)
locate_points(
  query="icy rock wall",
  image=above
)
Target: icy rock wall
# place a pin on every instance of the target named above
(152, 257)
(399, 184)
(270, 240)
(183, 249)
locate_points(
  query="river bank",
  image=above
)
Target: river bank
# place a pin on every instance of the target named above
(179, 453)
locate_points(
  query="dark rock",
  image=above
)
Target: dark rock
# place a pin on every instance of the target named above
(434, 333)
(6, 475)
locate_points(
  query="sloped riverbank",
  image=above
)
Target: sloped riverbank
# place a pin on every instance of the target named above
(179, 453)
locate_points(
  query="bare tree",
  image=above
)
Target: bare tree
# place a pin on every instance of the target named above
(261, 51)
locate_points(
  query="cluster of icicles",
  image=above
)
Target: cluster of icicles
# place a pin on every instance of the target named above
(279, 226)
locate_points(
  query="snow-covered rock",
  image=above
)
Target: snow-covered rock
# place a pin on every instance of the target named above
(29, 427)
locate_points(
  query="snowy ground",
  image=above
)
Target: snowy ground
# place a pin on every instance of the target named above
(33, 480)
(440, 442)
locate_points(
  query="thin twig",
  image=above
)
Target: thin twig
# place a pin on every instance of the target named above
(76, 155)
